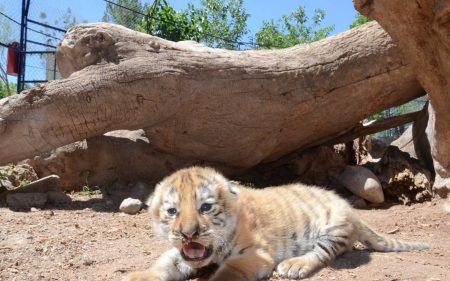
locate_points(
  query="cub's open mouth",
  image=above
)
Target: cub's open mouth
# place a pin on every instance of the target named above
(193, 251)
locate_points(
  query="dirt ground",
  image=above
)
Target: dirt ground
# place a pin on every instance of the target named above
(88, 240)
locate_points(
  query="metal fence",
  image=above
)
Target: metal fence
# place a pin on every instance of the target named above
(394, 133)
(30, 40)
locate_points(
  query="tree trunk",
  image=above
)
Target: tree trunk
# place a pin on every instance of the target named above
(228, 107)
(422, 30)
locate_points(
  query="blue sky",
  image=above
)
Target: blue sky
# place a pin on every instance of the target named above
(341, 13)
(338, 12)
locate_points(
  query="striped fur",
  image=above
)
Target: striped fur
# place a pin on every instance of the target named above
(294, 229)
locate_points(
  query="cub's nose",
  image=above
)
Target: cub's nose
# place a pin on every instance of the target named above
(191, 232)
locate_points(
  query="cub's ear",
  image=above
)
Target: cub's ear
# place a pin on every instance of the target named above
(233, 187)
(151, 198)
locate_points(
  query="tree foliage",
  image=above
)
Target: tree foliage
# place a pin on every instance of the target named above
(359, 20)
(295, 28)
(165, 22)
(216, 23)
(4, 91)
(224, 24)
(124, 16)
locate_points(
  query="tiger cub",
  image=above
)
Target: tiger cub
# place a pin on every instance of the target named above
(295, 229)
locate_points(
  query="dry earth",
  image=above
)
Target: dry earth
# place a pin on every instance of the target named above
(88, 240)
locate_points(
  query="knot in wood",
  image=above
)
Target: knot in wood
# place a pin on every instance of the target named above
(155, 45)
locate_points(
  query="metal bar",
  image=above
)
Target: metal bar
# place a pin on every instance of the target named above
(43, 33)
(54, 67)
(48, 26)
(10, 18)
(147, 24)
(9, 47)
(149, 16)
(35, 81)
(123, 7)
(22, 45)
(27, 9)
(41, 44)
(39, 52)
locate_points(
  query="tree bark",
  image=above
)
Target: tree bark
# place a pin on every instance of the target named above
(228, 107)
(422, 30)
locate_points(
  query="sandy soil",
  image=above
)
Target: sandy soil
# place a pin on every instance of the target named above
(88, 240)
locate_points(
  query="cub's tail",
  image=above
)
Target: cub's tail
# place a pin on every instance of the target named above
(377, 242)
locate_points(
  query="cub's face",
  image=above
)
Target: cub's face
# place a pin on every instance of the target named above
(196, 209)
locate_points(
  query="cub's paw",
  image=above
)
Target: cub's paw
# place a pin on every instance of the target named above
(295, 268)
(142, 276)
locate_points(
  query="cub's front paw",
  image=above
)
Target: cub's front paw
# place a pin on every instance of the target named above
(142, 276)
(296, 268)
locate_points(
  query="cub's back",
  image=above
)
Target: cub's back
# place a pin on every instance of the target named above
(294, 203)
(287, 216)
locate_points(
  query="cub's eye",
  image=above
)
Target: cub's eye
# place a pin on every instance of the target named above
(205, 207)
(172, 211)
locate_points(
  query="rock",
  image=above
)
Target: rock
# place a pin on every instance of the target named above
(378, 146)
(45, 184)
(22, 201)
(113, 157)
(361, 148)
(441, 186)
(118, 185)
(58, 197)
(362, 182)
(403, 177)
(15, 176)
(320, 165)
(6, 184)
(357, 202)
(130, 206)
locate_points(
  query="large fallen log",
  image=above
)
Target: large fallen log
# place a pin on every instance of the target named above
(422, 30)
(229, 107)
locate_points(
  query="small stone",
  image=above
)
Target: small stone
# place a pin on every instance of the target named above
(446, 206)
(362, 182)
(13, 270)
(24, 201)
(130, 206)
(33, 209)
(6, 184)
(49, 213)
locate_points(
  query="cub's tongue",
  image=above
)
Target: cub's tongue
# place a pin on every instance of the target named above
(194, 250)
